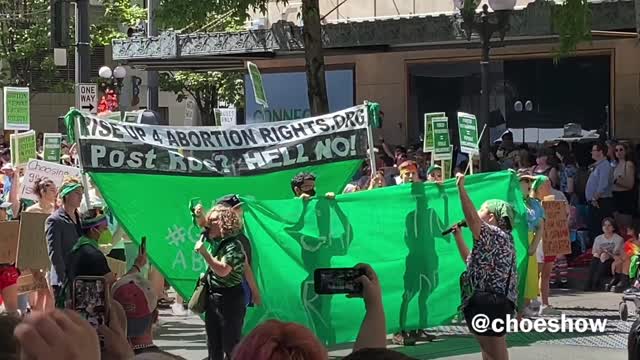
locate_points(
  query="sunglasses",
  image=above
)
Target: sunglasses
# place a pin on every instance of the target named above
(619, 150)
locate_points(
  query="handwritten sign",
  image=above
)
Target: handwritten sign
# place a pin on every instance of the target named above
(26, 284)
(38, 169)
(118, 268)
(555, 240)
(9, 241)
(32, 246)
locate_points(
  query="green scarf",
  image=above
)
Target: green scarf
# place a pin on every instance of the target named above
(85, 241)
(540, 179)
(500, 209)
(70, 124)
(68, 188)
(375, 120)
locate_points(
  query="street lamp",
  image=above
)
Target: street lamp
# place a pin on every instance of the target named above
(111, 87)
(485, 24)
(115, 76)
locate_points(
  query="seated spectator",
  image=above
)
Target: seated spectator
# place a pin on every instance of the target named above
(607, 249)
(275, 340)
(140, 304)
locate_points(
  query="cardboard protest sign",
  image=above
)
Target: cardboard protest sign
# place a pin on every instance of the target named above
(38, 169)
(16, 108)
(213, 151)
(118, 267)
(468, 130)
(26, 283)
(555, 240)
(258, 86)
(441, 140)
(32, 246)
(23, 147)
(52, 147)
(9, 231)
(427, 145)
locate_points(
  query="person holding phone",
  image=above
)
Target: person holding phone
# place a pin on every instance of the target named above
(86, 258)
(490, 293)
(223, 253)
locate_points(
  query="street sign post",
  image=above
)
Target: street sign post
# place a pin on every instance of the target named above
(87, 97)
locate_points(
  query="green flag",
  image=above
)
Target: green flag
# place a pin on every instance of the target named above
(397, 230)
(147, 174)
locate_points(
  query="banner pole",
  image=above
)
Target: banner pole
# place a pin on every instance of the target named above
(372, 153)
(470, 164)
(85, 183)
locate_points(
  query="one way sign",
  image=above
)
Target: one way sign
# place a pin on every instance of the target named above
(87, 97)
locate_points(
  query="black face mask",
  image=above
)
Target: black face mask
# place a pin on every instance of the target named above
(311, 193)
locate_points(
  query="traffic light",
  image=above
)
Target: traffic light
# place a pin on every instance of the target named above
(58, 23)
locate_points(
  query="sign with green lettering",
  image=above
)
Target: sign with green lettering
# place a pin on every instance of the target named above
(51, 147)
(428, 135)
(23, 147)
(441, 140)
(258, 86)
(468, 130)
(16, 108)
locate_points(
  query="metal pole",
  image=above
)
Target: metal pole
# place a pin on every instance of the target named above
(485, 143)
(372, 153)
(85, 183)
(153, 102)
(83, 55)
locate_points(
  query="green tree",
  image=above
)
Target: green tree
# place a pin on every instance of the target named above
(311, 32)
(210, 87)
(24, 44)
(118, 14)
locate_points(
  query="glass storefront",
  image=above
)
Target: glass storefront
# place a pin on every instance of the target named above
(574, 90)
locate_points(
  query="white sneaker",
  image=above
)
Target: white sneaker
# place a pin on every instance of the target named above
(549, 311)
(529, 312)
(178, 309)
(535, 304)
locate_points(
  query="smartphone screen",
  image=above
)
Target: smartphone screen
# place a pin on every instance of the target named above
(143, 244)
(337, 281)
(89, 299)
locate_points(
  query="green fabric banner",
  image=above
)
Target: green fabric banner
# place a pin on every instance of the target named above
(156, 206)
(395, 229)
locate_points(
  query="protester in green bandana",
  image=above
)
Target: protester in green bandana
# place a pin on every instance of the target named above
(86, 258)
(62, 230)
(434, 174)
(492, 294)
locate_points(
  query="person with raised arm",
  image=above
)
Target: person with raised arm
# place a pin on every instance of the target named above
(489, 285)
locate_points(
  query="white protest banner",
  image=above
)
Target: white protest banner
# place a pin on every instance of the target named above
(226, 117)
(214, 151)
(37, 169)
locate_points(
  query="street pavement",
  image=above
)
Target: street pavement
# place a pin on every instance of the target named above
(185, 336)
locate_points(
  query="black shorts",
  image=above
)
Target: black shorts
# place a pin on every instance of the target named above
(493, 307)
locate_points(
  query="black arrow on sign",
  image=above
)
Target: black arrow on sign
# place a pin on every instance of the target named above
(90, 107)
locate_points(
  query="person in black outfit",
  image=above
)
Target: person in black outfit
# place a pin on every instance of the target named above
(223, 253)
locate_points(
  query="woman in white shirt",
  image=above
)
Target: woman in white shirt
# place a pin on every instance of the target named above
(607, 248)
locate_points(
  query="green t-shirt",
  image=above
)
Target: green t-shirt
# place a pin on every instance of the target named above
(230, 250)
